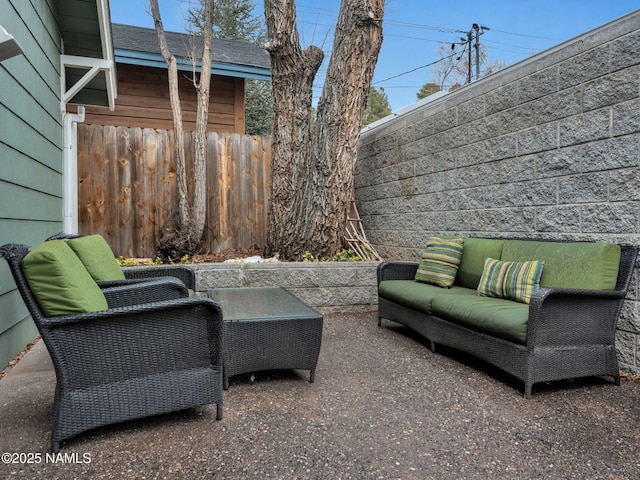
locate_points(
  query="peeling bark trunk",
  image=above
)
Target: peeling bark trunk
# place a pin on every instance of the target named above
(312, 165)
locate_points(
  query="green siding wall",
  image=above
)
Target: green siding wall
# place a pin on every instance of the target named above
(30, 152)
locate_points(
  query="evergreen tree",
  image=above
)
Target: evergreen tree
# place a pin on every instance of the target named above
(258, 107)
(427, 89)
(232, 19)
(377, 106)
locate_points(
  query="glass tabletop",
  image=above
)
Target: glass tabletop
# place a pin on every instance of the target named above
(259, 303)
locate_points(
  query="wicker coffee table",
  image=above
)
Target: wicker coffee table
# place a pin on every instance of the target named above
(267, 328)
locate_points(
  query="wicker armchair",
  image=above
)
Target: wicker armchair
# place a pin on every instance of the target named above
(130, 361)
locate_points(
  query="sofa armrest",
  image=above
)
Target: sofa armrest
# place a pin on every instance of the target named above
(573, 317)
(395, 270)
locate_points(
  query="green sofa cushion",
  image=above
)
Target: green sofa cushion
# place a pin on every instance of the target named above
(498, 317)
(475, 252)
(588, 265)
(97, 256)
(59, 281)
(415, 295)
(439, 262)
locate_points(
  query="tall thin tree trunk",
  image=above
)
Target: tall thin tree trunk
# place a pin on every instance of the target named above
(200, 160)
(176, 109)
(186, 237)
(312, 166)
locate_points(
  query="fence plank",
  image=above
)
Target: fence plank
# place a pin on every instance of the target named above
(144, 191)
(127, 190)
(123, 172)
(167, 196)
(224, 193)
(212, 226)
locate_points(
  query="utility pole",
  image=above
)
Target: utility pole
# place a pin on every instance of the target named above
(479, 29)
(469, 37)
(467, 42)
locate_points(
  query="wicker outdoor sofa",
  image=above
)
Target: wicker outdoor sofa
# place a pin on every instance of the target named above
(150, 350)
(567, 330)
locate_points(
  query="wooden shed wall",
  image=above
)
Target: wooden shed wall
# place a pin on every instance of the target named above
(143, 101)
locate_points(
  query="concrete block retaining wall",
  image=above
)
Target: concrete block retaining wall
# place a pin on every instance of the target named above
(548, 148)
(325, 286)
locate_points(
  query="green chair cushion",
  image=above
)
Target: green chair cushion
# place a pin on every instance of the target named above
(498, 317)
(97, 256)
(588, 265)
(59, 281)
(476, 251)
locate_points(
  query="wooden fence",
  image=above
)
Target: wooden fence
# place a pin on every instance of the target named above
(127, 190)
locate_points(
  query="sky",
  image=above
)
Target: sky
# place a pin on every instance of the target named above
(414, 29)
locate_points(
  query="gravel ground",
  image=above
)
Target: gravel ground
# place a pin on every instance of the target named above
(382, 407)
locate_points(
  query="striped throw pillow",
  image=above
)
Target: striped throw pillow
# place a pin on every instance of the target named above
(440, 261)
(511, 280)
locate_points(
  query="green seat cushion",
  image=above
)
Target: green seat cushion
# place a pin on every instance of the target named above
(497, 317)
(476, 251)
(511, 280)
(440, 260)
(416, 295)
(588, 265)
(97, 256)
(59, 281)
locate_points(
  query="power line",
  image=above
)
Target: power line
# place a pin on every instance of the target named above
(315, 24)
(493, 42)
(306, 12)
(334, 13)
(479, 29)
(529, 36)
(415, 69)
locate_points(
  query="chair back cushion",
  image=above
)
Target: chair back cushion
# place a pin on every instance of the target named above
(59, 281)
(97, 256)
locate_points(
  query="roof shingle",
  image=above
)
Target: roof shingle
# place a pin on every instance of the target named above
(140, 39)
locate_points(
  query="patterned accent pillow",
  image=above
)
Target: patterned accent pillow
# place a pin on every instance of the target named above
(440, 261)
(511, 280)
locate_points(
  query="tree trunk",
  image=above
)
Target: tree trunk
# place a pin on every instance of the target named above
(312, 166)
(176, 109)
(184, 236)
(199, 217)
